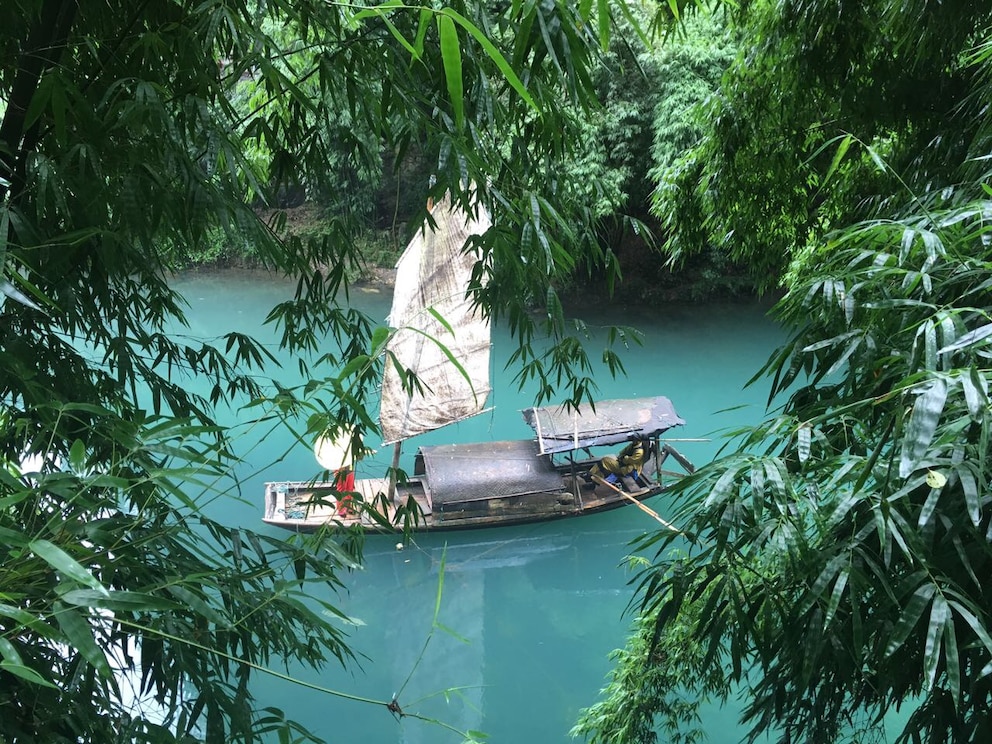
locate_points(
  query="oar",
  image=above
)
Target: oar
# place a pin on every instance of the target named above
(637, 503)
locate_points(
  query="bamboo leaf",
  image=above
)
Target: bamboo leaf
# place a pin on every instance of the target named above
(118, 600)
(585, 9)
(832, 342)
(835, 596)
(453, 633)
(423, 25)
(843, 507)
(495, 55)
(65, 564)
(971, 338)
(842, 360)
(603, 14)
(723, 486)
(452, 359)
(757, 488)
(236, 553)
(922, 425)
(804, 440)
(440, 319)
(13, 663)
(375, 12)
(198, 605)
(77, 456)
(828, 574)
(929, 332)
(972, 498)
(842, 149)
(40, 100)
(4, 230)
(970, 617)
(398, 35)
(9, 653)
(79, 632)
(28, 620)
(633, 22)
(931, 503)
(26, 673)
(952, 662)
(939, 615)
(910, 616)
(380, 336)
(777, 475)
(451, 56)
(877, 159)
(59, 106)
(440, 585)
(353, 366)
(974, 396)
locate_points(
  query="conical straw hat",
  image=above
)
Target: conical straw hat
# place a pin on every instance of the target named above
(333, 452)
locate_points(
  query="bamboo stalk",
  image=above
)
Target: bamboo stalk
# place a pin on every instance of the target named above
(638, 504)
(392, 472)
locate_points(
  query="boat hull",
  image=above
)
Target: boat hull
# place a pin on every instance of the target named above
(560, 492)
(494, 513)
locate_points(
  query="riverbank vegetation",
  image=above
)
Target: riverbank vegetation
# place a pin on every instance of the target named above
(829, 564)
(647, 91)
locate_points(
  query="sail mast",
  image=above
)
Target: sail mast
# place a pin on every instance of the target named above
(398, 446)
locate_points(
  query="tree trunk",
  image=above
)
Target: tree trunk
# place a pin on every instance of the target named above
(44, 48)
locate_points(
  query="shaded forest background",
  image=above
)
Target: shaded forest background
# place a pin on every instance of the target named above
(650, 92)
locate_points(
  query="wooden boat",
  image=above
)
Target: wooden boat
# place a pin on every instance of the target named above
(436, 373)
(488, 484)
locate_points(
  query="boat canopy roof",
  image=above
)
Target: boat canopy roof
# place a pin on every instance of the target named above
(486, 470)
(562, 429)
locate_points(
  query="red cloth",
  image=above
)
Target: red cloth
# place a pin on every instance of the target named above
(344, 481)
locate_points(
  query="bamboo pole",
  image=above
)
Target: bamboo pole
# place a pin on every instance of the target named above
(638, 504)
(392, 473)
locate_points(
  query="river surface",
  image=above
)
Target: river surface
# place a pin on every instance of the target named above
(527, 615)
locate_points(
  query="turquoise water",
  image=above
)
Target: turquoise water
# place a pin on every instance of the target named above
(530, 613)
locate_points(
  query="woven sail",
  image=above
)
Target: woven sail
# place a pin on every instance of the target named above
(432, 277)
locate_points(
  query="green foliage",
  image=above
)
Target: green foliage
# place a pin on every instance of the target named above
(657, 686)
(763, 184)
(837, 553)
(688, 69)
(133, 136)
(834, 556)
(108, 582)
(648, 88)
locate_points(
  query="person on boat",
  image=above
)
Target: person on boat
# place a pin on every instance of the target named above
(629, 461)
(344, 483)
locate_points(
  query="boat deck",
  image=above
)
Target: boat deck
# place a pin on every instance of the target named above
(310, 505)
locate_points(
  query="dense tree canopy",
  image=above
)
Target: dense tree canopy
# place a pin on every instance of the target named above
(831, 563)
(814, 77)
(134, 132)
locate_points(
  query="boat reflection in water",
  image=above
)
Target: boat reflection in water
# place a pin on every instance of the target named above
(490, 630)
